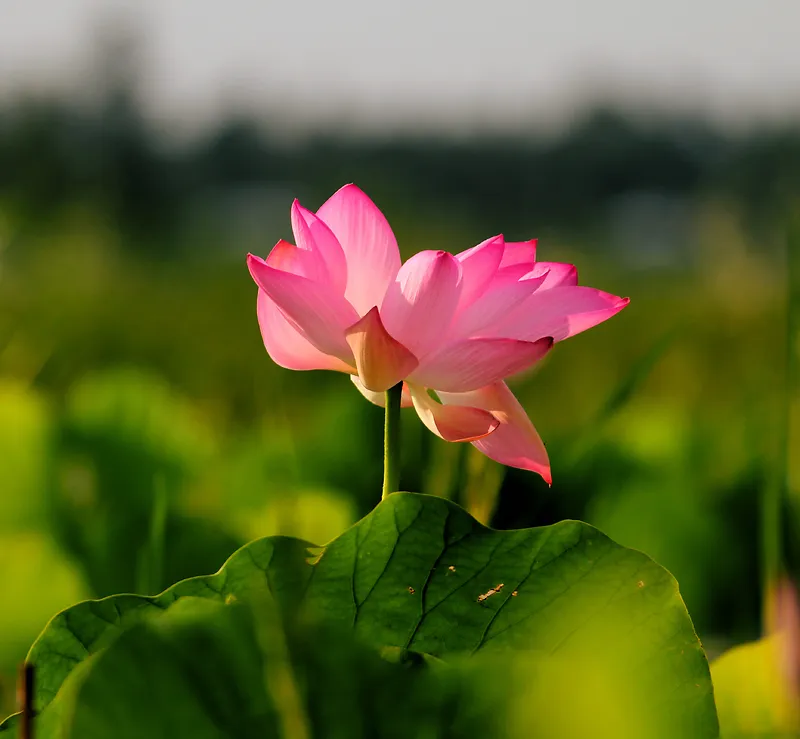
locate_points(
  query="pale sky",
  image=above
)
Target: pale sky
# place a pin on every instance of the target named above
(447, 62)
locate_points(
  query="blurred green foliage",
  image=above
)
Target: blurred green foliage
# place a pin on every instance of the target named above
(768, 706)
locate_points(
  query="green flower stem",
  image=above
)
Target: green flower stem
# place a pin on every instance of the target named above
(775, 495)
(391, 441)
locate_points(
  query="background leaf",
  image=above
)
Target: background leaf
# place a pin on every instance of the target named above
(754, 697)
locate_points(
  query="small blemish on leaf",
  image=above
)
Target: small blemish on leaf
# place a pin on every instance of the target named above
(230, 598)
(489, 593)
(514, 594)
(411, 590)
(640, 584)
(451, 568)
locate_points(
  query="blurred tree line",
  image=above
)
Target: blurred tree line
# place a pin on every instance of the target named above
(55, 151)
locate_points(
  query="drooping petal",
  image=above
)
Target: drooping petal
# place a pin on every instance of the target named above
(419, 305)
(380, 398)
(474, 363)
(313, 235)
(478, 266)
(560, 312)
(559, 274)
(515, 442)
(286, 345)
(508, 288)
(381, 361)
(519, 252)
(313, 308)
(452, 422)
(368, 243)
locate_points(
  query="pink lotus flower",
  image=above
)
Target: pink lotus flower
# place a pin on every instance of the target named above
(458, 325)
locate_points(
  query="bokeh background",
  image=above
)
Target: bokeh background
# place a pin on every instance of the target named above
(146, 148)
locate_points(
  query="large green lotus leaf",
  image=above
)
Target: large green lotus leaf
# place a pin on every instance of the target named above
(419, 573)
(192, 672)
(754, 691)
(206, 670)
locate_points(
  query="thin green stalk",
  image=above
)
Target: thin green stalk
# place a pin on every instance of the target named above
(280, 678)
(25, 690)
(444, 468)
(620, 395)
(391, 441)
(775, 493)
(150, 575)
(482, 486)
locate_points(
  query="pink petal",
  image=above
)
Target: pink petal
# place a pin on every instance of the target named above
(451, 423)
(289, 258)
(478, 266)
(306, 251)
(473, 363)
(382, 361)
(515, 442)
(519, 252)
(312, 234)
(380, 398)
(369, 245)
(286, 346)
(560, 312)
(313, 308)
(419, 305)
(558, 274)
(507, 289)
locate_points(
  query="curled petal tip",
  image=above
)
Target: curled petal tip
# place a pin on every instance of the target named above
(441, 254)
(515, 442)
(618, 305)
(298, 209)
(491, 241)
(452, 422)
(351, 187)
(493, 426)
(381, 360)
(256, 266)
